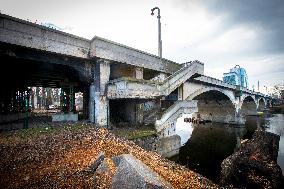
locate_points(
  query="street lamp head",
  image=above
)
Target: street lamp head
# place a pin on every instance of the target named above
(153, 9)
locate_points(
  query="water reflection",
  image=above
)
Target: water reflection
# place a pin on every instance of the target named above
(207, 145)
(275, 124)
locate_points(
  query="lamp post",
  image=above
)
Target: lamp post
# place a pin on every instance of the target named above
(159, 30)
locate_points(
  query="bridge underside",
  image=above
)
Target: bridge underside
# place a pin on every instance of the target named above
(23, 68)
(216, 107)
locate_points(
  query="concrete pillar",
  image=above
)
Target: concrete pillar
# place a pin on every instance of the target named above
(72, 101)
(86, 96)
(139, 113)
(180, 92)
(138, 73)
(239, 118)
(99, 104)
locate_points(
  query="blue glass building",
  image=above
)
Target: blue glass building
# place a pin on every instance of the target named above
(236, 76)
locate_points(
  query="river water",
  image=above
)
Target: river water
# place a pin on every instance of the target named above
(204, 146)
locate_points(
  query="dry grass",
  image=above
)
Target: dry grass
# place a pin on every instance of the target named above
(61, 159)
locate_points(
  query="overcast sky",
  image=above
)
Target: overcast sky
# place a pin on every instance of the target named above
(220, 33)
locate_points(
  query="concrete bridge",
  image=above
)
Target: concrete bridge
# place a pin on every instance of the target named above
(119, 83)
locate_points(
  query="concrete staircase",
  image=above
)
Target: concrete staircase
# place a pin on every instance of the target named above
(166, 124)
(145, 89)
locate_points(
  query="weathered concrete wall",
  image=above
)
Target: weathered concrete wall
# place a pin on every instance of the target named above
(132, 88)
(222, 111)
(169, 146)
(133, 111)
(65, 117)
(151, 111)
(121, 70)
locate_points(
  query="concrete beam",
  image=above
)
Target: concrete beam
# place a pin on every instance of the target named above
(27, 34)
(110, 50)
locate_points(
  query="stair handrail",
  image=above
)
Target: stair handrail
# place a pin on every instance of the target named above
(179, 104)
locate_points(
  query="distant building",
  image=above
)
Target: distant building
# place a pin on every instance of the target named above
(236, 76)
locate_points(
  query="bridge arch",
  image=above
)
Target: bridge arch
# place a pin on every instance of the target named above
(208, 89)
(261, 104)
(248, 105)
(215, 104)
(247, 97)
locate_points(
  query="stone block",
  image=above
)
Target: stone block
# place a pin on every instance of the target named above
(169, 146)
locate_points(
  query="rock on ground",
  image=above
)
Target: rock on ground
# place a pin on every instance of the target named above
(254, 165)
(132, 173)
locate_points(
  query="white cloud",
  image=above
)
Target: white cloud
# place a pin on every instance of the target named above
(234, 41)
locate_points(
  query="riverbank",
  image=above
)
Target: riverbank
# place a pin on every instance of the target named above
(59, 157)
(254, 164)
(277, 109)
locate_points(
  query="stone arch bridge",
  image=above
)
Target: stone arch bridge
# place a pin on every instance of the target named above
(119, 83)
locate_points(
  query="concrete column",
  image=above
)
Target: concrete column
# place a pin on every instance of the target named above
(139, 113)
(86, 96)
(138, 73)
(180, 92)
(99, 104)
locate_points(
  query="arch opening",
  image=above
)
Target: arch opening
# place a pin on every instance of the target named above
(248, 107)
(261, 104)
(215, 106)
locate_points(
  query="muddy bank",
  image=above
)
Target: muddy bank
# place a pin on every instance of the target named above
(254, 165)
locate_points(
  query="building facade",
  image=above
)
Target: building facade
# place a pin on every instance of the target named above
(236, 76)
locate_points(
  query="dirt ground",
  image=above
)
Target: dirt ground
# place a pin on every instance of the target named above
(60, 157)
